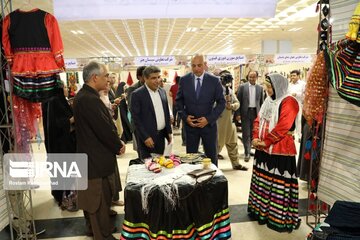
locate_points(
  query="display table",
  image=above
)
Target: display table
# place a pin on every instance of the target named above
(173, 205)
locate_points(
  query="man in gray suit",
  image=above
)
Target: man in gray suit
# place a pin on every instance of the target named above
(250, 96)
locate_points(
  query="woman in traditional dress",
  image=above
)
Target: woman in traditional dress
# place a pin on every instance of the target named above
(273, 198)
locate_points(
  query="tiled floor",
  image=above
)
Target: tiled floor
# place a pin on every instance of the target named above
(62, 223)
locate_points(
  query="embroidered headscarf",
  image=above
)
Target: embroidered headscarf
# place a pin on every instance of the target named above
(269, 111)
(271, 104)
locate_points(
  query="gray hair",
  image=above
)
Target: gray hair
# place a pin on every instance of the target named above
(90, 69)
(149, 70)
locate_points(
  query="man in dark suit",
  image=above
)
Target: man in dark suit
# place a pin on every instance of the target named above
(251, 97)
(129, 91)
(150, 113)
(97, 137)
(200, 100)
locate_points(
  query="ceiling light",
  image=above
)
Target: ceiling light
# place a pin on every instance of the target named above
(292, 9)
(246, 48)
(295, 29)
(191, 29)
(77, 32)
(303, 48)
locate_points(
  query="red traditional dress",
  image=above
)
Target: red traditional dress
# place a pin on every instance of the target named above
(33, 48)
(273, 198)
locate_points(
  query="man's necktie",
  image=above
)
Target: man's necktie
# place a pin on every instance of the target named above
(198, 88)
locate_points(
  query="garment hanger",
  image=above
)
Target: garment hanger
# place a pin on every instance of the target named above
(27, 5)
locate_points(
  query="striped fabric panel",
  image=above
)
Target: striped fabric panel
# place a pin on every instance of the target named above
(35, 84)
(35, 89)
(344, 69)
(341, 12)
(340, 167)
(274, 200)
(219, 228)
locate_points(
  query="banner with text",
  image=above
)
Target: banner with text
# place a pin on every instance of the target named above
(155, 61)
(71, 63)
(231, 59)
(292, 58)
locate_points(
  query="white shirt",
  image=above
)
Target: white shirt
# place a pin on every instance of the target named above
(158, 107)
(299, 89)
(201, 80)
(252, 96)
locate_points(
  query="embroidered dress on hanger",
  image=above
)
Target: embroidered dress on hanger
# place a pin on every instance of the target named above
(33, 48)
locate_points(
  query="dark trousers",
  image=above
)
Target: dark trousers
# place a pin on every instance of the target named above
(177, 117)
(183, 132)
(99, 222)
(159, 147)
(247, 123)
(208, 136)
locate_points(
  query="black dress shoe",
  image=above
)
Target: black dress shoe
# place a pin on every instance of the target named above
(240, 167)
(220, 157)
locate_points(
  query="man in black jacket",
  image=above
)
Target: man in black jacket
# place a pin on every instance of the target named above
(97, 137)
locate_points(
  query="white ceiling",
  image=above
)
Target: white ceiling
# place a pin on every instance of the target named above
(154, 37)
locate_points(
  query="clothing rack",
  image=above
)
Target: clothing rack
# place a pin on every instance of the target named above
(316, 208)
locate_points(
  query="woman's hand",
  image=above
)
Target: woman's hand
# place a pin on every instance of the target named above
(255, 142)
(258, 144)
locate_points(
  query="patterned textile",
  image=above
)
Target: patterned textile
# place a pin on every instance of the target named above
(343, 64)
(273, 198)
(26, 115)
(316, 91)
(218, 228)
(201, 209)
(339, 170)
(40, 88)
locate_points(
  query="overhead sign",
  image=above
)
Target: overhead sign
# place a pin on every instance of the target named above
(155, 61)
(153, 9)
(71, 63)
(292, 58)
(230, 59)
